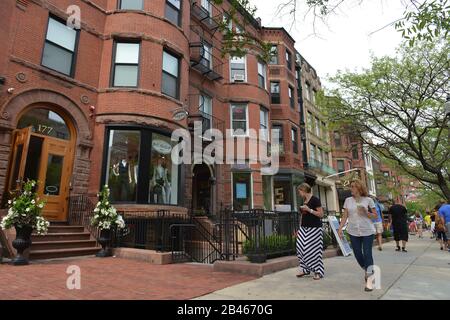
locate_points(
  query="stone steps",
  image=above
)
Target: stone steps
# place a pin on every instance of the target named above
(63, 241)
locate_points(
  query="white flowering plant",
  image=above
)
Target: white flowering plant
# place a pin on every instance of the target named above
(25, 209)
(105, 215)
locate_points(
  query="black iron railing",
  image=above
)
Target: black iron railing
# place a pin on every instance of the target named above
(150, 230)
(232, 234)
(81, 211)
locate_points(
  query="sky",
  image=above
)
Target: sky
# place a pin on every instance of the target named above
(345, 40)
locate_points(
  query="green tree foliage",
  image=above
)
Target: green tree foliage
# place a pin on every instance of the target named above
(397, 108)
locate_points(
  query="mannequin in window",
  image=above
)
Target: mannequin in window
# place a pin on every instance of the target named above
(124, 180)
(161, 187)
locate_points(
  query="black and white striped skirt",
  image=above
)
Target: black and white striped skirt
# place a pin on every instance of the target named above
(310, 250)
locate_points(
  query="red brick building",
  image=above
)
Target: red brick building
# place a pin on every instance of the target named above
(80, 108)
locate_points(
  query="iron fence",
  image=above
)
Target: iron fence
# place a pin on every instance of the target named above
(81, 211)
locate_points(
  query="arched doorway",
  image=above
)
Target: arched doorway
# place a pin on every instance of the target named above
(43, 150)
(202, 189)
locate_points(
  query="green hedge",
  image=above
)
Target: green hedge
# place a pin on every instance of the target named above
(270, 244)
(275, 243)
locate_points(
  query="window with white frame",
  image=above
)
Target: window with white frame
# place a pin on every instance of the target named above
(264, 122)
(291, 97)
(275, 92)
(288, 59)
(341, 166)
(206, 4)
(294, 135)
(228, 21)
(239, 119)
(173, 8)
(308, 91)
(239, 30)
(326, 158)
(238, 69)
(273, 54)
(126, 64)
(170, 75)
(318, 125)
(319, 155)
(206, 109)
(206, 59)
(262, 75)
(59, 48)
(312, 151)
(280, 146)
(131, 4)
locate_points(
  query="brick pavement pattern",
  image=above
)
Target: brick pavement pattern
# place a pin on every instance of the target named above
(112, 279)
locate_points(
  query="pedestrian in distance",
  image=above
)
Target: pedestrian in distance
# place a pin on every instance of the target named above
(444, 216)
(427, 220)
(309, 243)
(398, 217)
(378, 223)
(418, 220)
(359, 210)
(433, 225)
(441, 236)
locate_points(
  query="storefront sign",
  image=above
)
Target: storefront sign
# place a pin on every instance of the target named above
(343, 243)
(162, 147)
(180, 115)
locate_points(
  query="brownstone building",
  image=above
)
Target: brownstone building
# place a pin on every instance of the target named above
(83, 107)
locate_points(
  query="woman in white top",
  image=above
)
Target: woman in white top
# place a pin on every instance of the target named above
(359, 210)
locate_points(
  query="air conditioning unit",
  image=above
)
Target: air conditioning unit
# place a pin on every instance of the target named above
(239, 78)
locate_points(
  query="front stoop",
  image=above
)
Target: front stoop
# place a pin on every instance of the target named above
(262, 269)
(63, 241)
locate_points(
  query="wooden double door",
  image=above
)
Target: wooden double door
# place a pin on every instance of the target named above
(47, 160)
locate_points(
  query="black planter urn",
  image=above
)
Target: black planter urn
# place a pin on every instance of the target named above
(21, 243)
(257, 257)
(105, 240)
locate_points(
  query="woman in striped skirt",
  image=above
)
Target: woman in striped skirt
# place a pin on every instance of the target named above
(310, 235)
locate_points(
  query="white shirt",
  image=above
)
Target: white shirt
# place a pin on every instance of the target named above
(359, 226)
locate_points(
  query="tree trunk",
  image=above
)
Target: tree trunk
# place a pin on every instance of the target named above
(443, 186)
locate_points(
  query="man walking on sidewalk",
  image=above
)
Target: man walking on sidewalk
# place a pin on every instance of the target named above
(444, 215)
(398, 217)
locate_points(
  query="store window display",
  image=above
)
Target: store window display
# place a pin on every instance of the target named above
(164, 175)
(139, 168)
(123, 164)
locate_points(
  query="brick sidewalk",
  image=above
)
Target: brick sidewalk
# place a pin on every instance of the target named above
(113, 279)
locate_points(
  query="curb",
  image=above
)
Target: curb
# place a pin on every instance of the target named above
(262, 269)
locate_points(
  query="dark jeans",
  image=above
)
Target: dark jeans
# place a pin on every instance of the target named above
(362, 248)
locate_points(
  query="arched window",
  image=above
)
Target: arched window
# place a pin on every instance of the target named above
(45, 122)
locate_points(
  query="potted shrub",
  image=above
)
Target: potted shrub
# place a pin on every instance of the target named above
(24, 214)
(106, 219)
(254, 250)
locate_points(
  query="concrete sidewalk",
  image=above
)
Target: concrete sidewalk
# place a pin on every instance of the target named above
(422, 273)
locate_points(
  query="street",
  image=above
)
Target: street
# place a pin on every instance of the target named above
(422, 273)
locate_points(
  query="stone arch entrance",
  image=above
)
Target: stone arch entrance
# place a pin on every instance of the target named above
(203, 182)
(46, 137)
